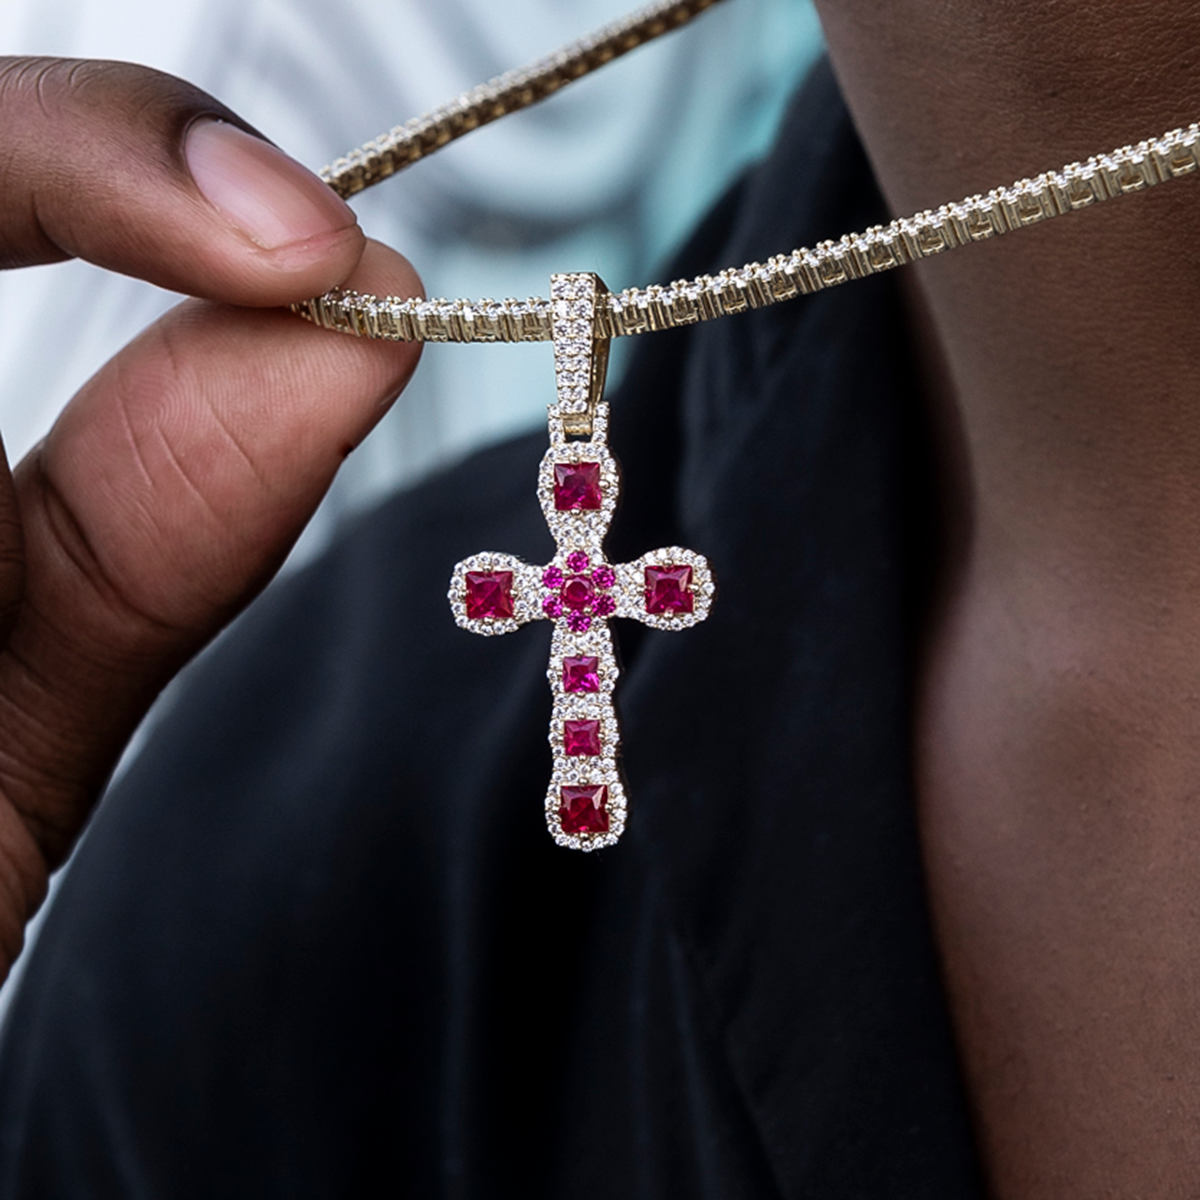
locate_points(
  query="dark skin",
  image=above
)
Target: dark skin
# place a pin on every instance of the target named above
(1058, 724)
(1058, 717)
(172, 487)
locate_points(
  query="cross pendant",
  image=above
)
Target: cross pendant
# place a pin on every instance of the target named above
(579, 590)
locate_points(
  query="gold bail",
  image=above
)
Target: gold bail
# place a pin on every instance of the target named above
(580, 349)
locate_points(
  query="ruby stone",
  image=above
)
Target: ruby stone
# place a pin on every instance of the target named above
(578, 592)
(604, 606)
(668, 589)
(580, 674)
(578, 622)
(489, 594)
(584, 809)
(576, 485)
(581, 737)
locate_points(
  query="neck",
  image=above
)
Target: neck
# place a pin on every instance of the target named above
(1057, 747)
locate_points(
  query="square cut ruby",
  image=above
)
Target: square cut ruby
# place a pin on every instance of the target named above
(489, 594)
(581, 674)
(576, 485)
(581, 738)
(668, 589)
(584, 809)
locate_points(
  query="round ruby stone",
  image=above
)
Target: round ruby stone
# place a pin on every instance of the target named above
(584, 809)
(489, 594)
(578, 622)
(604, 577)
(577, 560)
(552, 577)
(578, 592)
(552, 606)
(604, 606)
(668, 589)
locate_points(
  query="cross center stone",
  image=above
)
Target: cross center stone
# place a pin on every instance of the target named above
(578, 592)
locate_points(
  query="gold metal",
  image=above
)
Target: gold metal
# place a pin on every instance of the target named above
(507, 93)
(799, 273)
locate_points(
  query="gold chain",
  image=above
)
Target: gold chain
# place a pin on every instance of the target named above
(507, 93)
(734, 290)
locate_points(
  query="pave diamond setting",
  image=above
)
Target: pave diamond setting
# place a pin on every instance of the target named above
(579, 589)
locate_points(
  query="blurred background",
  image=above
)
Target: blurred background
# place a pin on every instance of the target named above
(607, 176)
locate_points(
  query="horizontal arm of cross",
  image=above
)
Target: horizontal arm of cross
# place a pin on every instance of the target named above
(493, 593)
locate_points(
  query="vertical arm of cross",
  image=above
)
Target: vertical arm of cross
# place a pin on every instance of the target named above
(578, 486)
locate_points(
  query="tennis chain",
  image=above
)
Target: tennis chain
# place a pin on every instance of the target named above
(801, 272)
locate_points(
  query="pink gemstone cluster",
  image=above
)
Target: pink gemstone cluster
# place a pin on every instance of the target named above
(578, 593)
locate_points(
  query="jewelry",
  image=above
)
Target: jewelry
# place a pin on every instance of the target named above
(579, 589)
(672, 588)
(977, 218)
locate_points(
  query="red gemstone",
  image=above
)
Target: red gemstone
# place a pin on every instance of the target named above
(581, 737)
(604, 606)
(584, 809)
(577, 592)
(577, 560)
(604, 576)
(578, 622)
(489, 594)
(579, 674)
(576, 485)
(668, 589)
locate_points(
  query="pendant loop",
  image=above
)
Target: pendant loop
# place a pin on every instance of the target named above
(580, 351)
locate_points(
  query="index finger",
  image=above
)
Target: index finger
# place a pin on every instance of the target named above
(147, 175)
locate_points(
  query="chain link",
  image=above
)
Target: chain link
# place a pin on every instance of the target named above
(798, 273)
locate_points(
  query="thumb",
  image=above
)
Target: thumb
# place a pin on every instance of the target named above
(144, 174)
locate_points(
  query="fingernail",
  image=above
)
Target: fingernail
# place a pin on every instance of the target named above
(271, 198)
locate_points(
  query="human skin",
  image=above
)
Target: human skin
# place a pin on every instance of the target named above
(1058, 716)
(173, 485)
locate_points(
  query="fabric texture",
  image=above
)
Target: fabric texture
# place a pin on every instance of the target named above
(318, 937)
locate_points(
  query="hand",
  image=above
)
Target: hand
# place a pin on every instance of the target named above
(173, 485)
